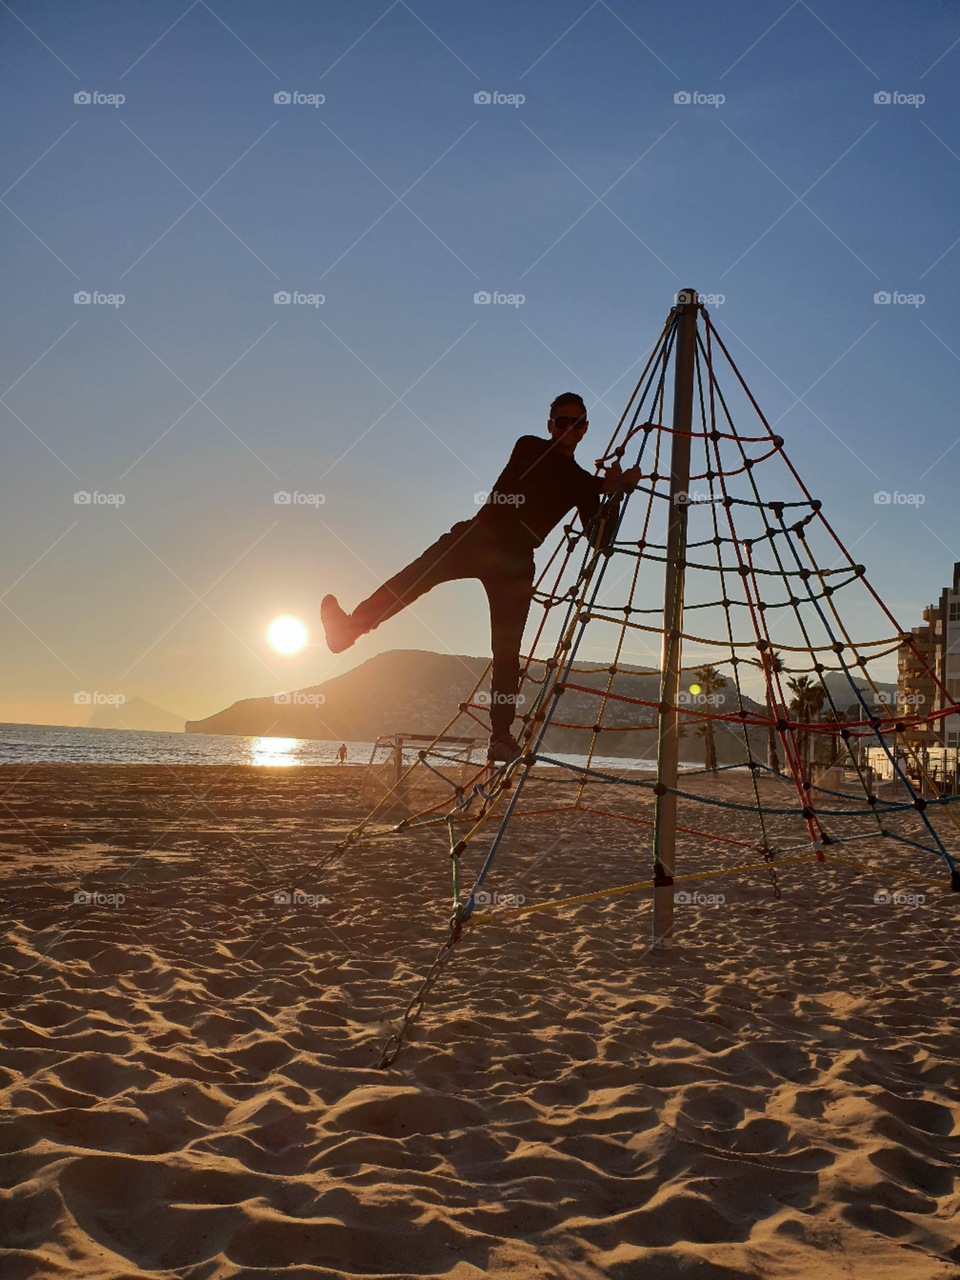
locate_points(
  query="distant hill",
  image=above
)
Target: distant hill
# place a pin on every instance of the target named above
(136, 714)
(843, 696)
(415, 691)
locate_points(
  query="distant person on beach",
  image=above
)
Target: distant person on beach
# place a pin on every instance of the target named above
(342, 754)
(539, 485)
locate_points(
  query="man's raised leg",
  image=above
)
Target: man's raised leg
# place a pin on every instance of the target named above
(447, 559)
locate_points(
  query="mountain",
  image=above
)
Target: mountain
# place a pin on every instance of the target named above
(844, 697)
(136, 714)
(415, 691)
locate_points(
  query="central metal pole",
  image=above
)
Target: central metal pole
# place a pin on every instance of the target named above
(668, 752)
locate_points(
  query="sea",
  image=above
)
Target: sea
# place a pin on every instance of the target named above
(67, 744)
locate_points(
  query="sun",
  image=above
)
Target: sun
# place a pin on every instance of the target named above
(287, 635)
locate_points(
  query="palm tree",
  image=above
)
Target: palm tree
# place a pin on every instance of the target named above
(815, 701)
(711, 682)
(806, 705)
(837, 718)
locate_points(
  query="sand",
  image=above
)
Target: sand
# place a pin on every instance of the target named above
(189, 1082)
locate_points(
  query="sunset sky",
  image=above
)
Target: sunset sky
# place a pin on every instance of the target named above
(399, 398)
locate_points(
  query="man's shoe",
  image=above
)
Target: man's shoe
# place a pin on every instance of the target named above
(340, 629)
(503, 748)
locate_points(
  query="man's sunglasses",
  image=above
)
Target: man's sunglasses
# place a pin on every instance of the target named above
(564, 424)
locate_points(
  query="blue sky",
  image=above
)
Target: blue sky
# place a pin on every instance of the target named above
(797, 199)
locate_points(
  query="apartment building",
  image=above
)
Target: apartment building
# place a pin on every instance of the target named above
(948, 656)
(936, 643)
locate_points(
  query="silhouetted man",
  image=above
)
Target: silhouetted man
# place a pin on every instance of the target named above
(533, 493)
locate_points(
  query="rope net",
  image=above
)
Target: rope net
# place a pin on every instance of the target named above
(782, 639)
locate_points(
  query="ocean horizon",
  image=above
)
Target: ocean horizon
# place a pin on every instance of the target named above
(79, 744)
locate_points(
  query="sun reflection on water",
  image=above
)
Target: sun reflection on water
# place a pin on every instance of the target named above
(274, 751)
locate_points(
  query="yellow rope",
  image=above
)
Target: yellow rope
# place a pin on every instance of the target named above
(514, 913)
(882, 871)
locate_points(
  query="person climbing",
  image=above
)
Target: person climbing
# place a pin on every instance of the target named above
(539, 485)
(342, 754)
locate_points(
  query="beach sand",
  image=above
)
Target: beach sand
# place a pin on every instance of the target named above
(189, 1076)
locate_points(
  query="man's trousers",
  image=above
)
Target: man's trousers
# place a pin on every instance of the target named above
(506, 572)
